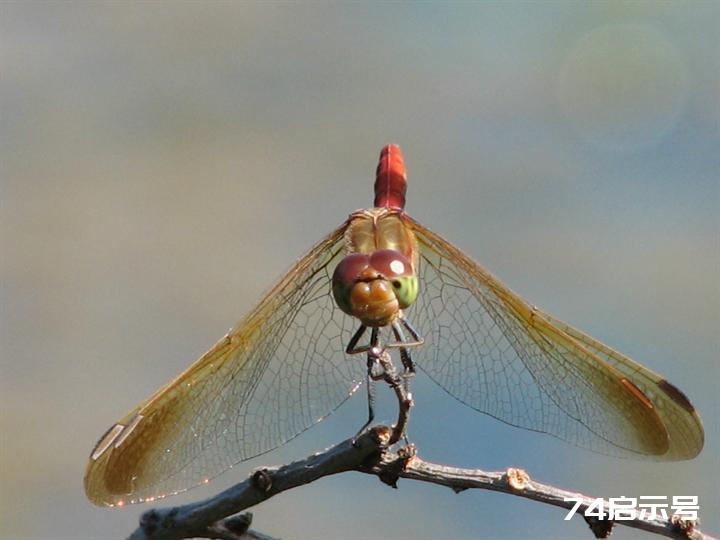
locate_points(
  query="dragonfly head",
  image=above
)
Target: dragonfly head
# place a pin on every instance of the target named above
(374, 288)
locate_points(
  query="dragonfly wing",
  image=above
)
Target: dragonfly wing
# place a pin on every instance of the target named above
(493, 351)
(682, 422)
(279, 371)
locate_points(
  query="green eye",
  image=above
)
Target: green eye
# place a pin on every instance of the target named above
(406, 290)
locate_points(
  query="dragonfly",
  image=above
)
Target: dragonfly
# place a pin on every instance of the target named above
(293, 360)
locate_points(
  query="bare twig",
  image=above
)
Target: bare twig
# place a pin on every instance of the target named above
(396, 382)
(368, 454)
(517, 482)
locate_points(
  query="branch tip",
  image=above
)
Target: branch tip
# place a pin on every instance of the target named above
(685, 526)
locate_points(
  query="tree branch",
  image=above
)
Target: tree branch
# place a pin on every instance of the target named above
(196, 519)
(368, 454)
(517, 482)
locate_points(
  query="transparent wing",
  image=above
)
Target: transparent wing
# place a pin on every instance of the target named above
(279, 371)
(501, 356)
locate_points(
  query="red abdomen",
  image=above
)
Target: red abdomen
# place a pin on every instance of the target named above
(390, 179)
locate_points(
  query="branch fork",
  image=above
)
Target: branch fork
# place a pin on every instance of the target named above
(369, 453)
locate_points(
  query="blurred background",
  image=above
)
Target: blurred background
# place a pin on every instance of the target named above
(162, 164)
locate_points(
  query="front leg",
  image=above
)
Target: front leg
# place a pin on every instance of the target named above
(408, 365)
(371, 377)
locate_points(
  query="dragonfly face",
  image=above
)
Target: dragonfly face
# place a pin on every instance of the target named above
(285, 366)
(374, 288)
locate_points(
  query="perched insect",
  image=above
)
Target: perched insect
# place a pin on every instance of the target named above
(290, 362)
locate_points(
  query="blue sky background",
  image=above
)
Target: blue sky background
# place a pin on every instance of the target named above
(162, 164)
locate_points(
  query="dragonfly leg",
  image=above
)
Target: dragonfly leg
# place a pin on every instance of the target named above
(372, 361)
(380, 366)
(408, 366)
(404, 353)
(419, 340)
(370, 397)
(352, 344)
(401, 340)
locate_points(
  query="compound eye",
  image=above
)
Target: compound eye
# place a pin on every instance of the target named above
(391, 264)
(406, 290)
(345, 276)
(350, 268)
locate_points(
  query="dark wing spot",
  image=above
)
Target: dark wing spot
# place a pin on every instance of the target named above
(676, 395)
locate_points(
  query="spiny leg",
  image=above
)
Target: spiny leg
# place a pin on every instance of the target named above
(404, 353)
(405, 399)
(372, 360)
(419, 340)
(370, 397)
(352, 344)
(380, 357)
